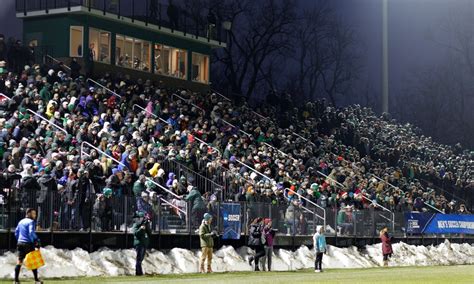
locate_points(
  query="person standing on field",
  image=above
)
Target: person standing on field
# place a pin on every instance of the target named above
(386, 245)
(141, 240)
(256, 241)
(27, 241)
(269, 233)
(206, 235)
(319, 242)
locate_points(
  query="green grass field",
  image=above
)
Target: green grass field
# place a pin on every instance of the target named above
(432, 274)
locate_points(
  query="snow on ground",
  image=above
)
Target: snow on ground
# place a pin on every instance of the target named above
(106, 262)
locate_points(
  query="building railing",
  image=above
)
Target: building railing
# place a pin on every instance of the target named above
(200, 24)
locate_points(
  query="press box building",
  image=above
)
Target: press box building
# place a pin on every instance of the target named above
(142, 38)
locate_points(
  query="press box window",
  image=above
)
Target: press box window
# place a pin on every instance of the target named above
(99, 45)
(200, 69)
(76, 34)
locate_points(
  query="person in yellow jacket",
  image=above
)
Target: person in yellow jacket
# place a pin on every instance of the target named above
(206, 235)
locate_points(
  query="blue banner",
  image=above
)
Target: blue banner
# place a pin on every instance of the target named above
(451, 224)
(230, 214)
(416, 222)
(428, 223)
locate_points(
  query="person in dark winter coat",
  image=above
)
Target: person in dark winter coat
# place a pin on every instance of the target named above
(386, 245)
(269, 233)
(48, 186)
(141, 240)
(255, 242)
(197, 205)
(75, 68)
(29, 188)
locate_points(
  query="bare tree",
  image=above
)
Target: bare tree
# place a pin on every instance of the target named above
(440, 97)
(259, 34)
(326, 54)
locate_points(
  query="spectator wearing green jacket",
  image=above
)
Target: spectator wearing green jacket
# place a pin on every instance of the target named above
(206, 235)
(141, 240)
(196, 202)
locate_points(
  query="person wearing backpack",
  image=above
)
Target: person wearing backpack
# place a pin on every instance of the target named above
(257, 241)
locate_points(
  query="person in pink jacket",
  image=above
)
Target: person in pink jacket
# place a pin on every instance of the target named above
(386, 245)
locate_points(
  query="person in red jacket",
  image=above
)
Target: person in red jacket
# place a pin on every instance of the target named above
(386, 245)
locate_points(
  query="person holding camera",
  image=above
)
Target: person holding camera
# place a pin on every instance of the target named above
(257, 241)
(141, 239)
(27, 241)
(206, 235)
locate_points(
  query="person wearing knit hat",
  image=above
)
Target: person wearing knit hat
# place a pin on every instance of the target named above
(206, 235)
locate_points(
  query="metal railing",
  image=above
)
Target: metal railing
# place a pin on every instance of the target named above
(104, 87)
(98, 150)
(5, 96)
(280, 151)
(202, 182)
(187, 101)
(323, 218)
(384, 181)
(149, 112)
(238, 128)
(391, 220)
(48, 121)
(433, 208)
(208, 145)
(221, 95)
(58, 61)
(175, 18)
(255, 171)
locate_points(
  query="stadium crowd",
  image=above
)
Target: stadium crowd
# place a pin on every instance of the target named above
(284, 154)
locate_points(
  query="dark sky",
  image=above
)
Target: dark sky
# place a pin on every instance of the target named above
(411, 24)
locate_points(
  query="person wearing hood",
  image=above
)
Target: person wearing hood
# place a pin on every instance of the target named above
(320, 247)
(47, 187)
(29, 187)
(141, 239)
(206, 235)
(143, 204)
(196, 202)
(169, 182)
(386, 245)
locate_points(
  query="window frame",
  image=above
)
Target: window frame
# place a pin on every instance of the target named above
(208, 67)
(98, 53)
(82, 41)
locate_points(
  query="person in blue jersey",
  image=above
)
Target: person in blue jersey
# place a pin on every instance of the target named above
(27, 241)
(319, 242)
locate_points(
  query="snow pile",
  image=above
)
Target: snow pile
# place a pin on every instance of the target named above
(105, 262)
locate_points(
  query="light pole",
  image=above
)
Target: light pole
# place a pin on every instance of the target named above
(384, 55)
